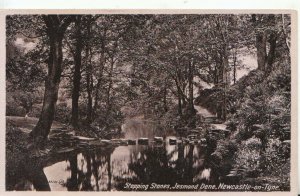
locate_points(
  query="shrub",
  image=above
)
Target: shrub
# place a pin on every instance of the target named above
(248, 154)
(62, 112)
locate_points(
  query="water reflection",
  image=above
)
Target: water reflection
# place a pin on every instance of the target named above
(106, 170)
(92, 171)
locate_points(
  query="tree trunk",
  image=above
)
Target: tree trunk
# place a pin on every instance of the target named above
(43, 126)
(179, 104)
(234, 67)
(108, 101)
(287, 40)
(272, 44)
(77, 73)
(99, 82)
(89, 79)
(109, 172)
(191, 88)
(261, 45)
(96, 97)
(272, 50)
(226, 80)
(55, 30)
(165, 97)
(89, 83)
(72, 184)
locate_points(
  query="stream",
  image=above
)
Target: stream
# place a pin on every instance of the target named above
(126, 168)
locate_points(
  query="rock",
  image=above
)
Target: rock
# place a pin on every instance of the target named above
(231, 175)
(172, 141)
(105, 141)
(212, 120)
(158, 139)
(192, 137)
(219, 133)
(57, 130)
(81, 138)
(116, 141)
(124, 142)
(65, 150)
(143, 141)
(96, 143)
(131, 142)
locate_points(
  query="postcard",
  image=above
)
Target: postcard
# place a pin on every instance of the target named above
(163, 101)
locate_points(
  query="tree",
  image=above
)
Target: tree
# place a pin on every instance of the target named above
(56, 26)
(267, 35)
(77, 71)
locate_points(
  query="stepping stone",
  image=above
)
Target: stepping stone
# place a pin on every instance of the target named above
(96, 143)
(143, 141)
(65, 150)
(192, 137)
(106, 141)
(131, 142)
(123, 142)
(158, 139)
(81, 138)
(172, 141)
(116, 140)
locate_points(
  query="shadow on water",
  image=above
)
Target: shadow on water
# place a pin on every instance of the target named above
(106, 170)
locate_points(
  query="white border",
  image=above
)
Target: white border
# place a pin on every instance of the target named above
(150, 4)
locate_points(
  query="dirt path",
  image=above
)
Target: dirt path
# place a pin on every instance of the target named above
(205, 113)
(27, 124)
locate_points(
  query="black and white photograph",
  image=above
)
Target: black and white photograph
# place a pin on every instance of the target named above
(149, 102)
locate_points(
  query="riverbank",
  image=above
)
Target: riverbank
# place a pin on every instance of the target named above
(25, 164)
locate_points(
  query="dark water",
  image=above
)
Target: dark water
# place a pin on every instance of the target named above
(127, 167)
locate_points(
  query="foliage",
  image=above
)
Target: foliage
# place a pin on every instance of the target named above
(248, 154)
(62, 112)
(20, 103)
(150, 63)
(275, 155)
(224, 150)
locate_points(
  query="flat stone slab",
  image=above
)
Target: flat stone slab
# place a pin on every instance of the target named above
(105, 141)
(131, 142)
(65, 150)
(158, 139)
(85, 138)
(172, 141)
(143, 141)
